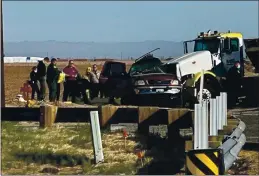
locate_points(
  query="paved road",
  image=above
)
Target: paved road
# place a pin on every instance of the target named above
(250, 116)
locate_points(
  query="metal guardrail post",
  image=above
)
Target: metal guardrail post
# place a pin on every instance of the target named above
(238, 130)
(201, 86)
(200, 125)
(232, 155)
(213, 118)
(220, 112)
(225, 110)
(232, 146)
(197, 125)
(204, 126)
(217, 113)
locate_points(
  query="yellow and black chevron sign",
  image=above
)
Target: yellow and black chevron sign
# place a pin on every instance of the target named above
(205, 162)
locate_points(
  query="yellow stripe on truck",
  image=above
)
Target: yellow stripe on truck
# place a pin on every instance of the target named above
(198, 75)
(232, 35)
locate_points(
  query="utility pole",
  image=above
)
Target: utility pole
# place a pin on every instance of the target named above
(2, 56)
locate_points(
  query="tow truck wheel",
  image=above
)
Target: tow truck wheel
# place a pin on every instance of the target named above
(211, 88)
(206, 95)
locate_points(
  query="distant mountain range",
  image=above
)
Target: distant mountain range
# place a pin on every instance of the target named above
(92, 50)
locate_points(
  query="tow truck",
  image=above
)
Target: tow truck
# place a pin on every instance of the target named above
(214, 53)
(225, 49)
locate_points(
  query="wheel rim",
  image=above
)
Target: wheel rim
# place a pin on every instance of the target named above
(206, 96)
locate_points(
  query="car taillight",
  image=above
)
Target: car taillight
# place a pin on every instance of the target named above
(174, 82)
(139, 83)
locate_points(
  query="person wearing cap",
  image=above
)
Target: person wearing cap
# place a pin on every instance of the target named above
(52, 79)
(71, 81)
(234, 83)
(41, 76)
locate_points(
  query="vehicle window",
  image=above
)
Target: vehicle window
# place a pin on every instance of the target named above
(138, 68)
(168, 68)
(234, 44)
(105, 70)
(211, 45)
(117, 69)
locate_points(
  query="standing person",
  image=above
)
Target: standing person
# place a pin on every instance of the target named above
(33, 83)
(52, 79)
(71, 82)
(95, 82)
(58, 91)
(41, 74)
(58, 87)
(234, 83)
(87, 85)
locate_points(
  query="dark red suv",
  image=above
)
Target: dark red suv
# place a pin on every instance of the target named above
(148, 82)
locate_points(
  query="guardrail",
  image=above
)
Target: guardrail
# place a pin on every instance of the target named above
(210, 118)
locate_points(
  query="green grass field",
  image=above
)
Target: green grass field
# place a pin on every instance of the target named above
(65, 150)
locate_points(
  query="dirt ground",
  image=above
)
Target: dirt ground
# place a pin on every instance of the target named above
(17, 74)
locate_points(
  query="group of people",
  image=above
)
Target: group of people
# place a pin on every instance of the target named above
(48, 74)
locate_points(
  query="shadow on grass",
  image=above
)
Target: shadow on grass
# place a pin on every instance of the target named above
(251, 147)
(168, 153)
(55, 159)
(166, 160)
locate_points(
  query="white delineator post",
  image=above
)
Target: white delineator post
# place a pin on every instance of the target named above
(96, 135)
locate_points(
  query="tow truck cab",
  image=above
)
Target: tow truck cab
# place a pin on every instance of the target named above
(225, 48)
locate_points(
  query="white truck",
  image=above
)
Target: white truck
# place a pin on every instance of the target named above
(215, 53)
(177, 81)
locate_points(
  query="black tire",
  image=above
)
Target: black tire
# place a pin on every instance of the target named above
(128, 100)
(211, 84)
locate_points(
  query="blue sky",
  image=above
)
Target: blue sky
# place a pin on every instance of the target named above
(124, 21)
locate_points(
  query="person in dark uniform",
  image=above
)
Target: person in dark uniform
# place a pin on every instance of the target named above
(58, 87)
(234, 83)
(52, 79)
(41, 74)
(33, 83)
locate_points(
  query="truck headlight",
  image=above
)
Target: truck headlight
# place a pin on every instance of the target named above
(174, 82)
(139, 83)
